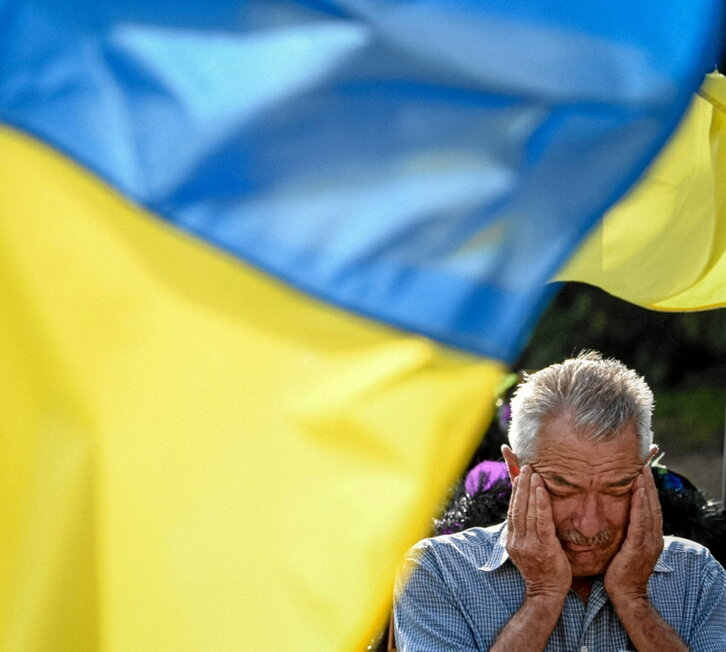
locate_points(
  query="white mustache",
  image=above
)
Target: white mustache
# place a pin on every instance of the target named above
(602, 538)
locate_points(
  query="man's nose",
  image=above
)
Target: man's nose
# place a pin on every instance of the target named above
(589, 520)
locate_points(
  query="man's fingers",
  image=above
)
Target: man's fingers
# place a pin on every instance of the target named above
(647, 516)
(512, 497)
(510, 512)
(519, 503)
(531, 519)
(545, 522)
(638, 507)
(653, 504)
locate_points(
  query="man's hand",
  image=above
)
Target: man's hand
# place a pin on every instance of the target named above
(534, 548)
(627, 576)
(531, 540)
(626, 579)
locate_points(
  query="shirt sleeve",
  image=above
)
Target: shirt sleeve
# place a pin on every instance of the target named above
(427, 616)
(709, 631)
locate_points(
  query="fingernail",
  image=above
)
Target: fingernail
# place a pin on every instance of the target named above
(526, 468)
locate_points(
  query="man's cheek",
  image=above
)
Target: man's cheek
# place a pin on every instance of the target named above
(618, 512)
(561, 511)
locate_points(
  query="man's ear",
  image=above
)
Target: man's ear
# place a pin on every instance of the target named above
(512, 462)
(653, 452)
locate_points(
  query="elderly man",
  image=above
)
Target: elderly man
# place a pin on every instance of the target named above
(581, 562)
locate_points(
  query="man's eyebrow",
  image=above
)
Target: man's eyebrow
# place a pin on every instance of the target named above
(622, 482)
(558, 479)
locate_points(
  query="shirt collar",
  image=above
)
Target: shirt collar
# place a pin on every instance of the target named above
(499, 555)
(661, 566)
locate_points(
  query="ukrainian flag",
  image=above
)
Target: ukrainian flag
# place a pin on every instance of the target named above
(664, 245)
(262, 267)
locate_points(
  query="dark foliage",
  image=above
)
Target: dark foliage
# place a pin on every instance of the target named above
(687, 513)
(668, 348)
(483, 509)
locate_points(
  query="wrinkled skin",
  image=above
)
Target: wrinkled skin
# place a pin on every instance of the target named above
(631, 567)
(532, 541)
(581, 508)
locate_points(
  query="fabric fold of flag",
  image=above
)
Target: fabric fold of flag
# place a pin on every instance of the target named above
(664, 245)
(194, 456)
(396, 159)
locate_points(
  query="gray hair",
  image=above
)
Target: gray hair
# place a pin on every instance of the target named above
(600, 395)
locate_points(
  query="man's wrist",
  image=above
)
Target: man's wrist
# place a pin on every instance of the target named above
(629, 599)
(531, 626)
(644, 625)
(545, 593)
(546, 602)
(633, 609)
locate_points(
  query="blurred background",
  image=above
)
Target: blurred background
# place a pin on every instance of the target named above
(681, 355)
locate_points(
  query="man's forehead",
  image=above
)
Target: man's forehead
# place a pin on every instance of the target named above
(608, 480)
(559, 434)
(571, 458)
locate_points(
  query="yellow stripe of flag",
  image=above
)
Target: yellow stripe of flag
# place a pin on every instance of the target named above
(664, 245)
(196, 457)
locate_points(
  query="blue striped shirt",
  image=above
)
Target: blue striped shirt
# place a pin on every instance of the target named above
(462, 589)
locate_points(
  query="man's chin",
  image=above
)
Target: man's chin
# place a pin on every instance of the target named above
(586, 563)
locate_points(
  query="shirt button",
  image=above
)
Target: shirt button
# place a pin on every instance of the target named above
(583, 648)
